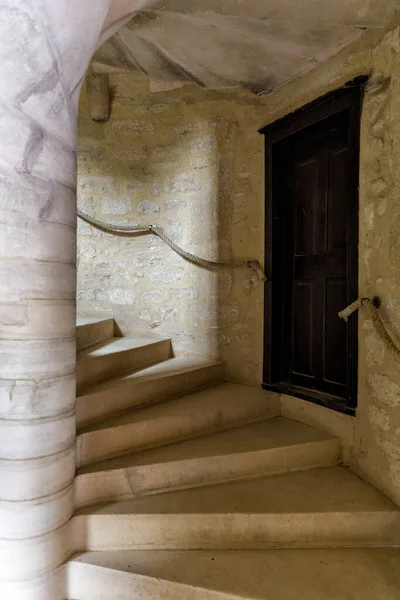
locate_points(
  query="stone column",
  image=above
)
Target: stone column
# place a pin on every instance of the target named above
(45, 48)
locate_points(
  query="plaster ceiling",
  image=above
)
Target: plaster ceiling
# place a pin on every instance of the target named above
(257, 44)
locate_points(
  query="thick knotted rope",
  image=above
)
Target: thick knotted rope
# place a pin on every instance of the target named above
(373, 310)
(208, 264)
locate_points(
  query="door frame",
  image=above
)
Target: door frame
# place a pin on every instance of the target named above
(349, 98)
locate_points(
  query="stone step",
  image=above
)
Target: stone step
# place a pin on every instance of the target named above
(118, 356)
(267, 447)
(173, 377)
(93, 330)
(221, 407)
(323, 574)
(322, 507)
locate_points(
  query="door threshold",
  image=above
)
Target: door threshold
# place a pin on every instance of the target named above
(320, 398)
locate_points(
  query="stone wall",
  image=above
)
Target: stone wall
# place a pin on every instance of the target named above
(192, 161)
(377, 442)
(372, 438)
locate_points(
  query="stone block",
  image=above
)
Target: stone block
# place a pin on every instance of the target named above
(38, 319)
(54, 162)
(35, 199)
(175, 205)
(203, 144)
(160, 152)
(133, 153)
(86, 295)
(37, 477)
(34, 279)
(148, 261)
(32, 518)
(148, 207)
(85, 202)
(167, 165)
(174, 229)
(183, 293)
(165, 274)
(116, 206)
(202, 162)
(87, 153)
(125, 109)
(153, 298)
(126, 279)
(40, 241)
(130, 128)
(159, 109)
(156, 189)
(96, 185)
(31, 359)
(133, 185)
(122, 296)
(87, 249)
(84, 228)
(36, 438)
(35, 556)
(184, 182)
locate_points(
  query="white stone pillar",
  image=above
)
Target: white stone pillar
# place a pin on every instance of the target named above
(45, 48)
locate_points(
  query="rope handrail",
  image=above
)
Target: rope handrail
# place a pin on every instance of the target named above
(372, 306)
(202, 262)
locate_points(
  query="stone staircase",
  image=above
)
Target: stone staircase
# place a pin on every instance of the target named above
(189, 488)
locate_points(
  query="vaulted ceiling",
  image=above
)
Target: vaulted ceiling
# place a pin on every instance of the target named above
(257, 44)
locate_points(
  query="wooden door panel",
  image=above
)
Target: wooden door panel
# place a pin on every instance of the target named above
(302, 329)
(305, 186)
(338, 199)
(335, 335)
(321, 266)
(316, 257)
(311, 254)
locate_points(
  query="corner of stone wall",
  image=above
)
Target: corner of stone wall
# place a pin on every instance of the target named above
(191, 161)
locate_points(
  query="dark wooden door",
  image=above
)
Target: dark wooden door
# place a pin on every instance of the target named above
(316, 221)
(312, 251)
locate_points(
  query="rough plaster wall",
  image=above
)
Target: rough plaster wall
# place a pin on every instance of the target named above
(191, 161)
(225, 215)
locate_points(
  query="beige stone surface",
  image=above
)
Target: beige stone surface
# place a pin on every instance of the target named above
(52, 586)
(372, 438)
(191, 161)
(252, 575)
(221, 407)
(118, 356)
(36, 556)
(323, 507)
(171, 378)
(37, 477)
(258, 44)
(45, 49)
(93, 330)
(39, 516)
(338, 424)
(179, 160)
(263, 448)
